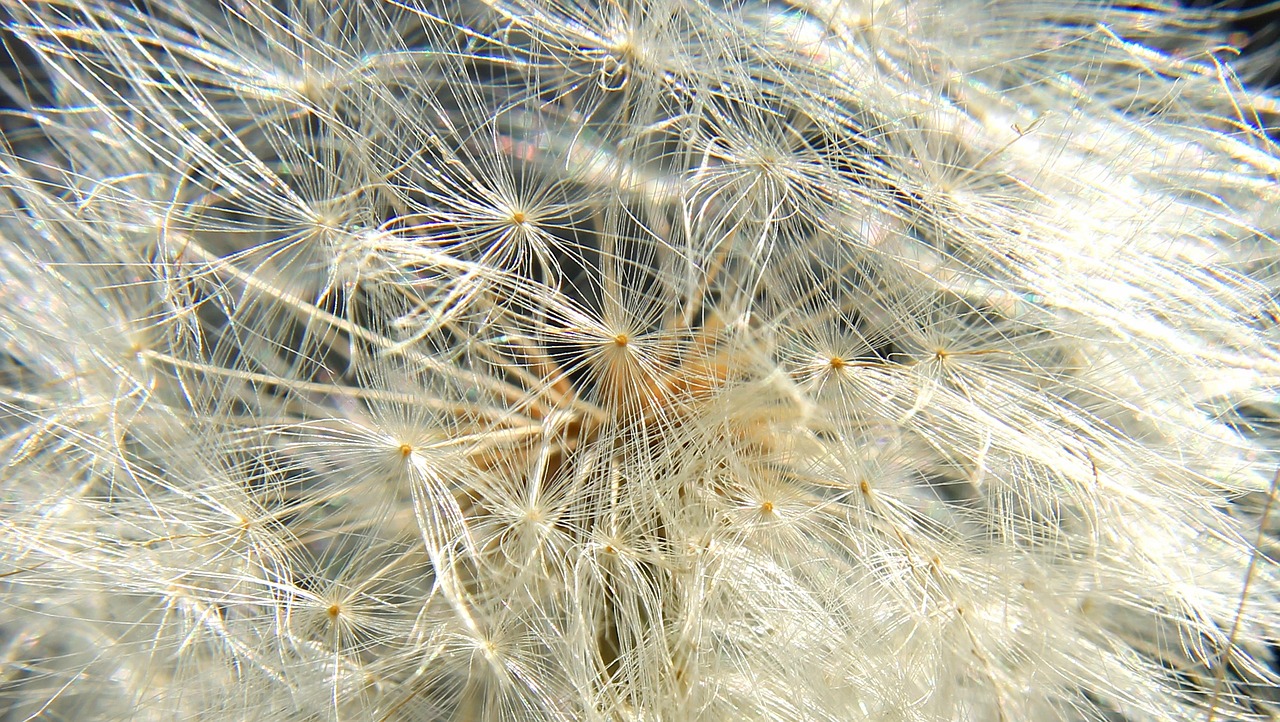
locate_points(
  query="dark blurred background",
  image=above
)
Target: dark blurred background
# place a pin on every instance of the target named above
(1256, 31)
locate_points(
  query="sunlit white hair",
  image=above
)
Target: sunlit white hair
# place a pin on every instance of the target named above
(636, 360)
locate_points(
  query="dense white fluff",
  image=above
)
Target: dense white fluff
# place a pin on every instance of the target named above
(636, 360)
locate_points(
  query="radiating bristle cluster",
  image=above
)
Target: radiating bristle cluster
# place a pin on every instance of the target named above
(636, 360)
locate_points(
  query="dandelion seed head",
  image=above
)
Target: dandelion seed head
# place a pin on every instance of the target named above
(554, 359)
